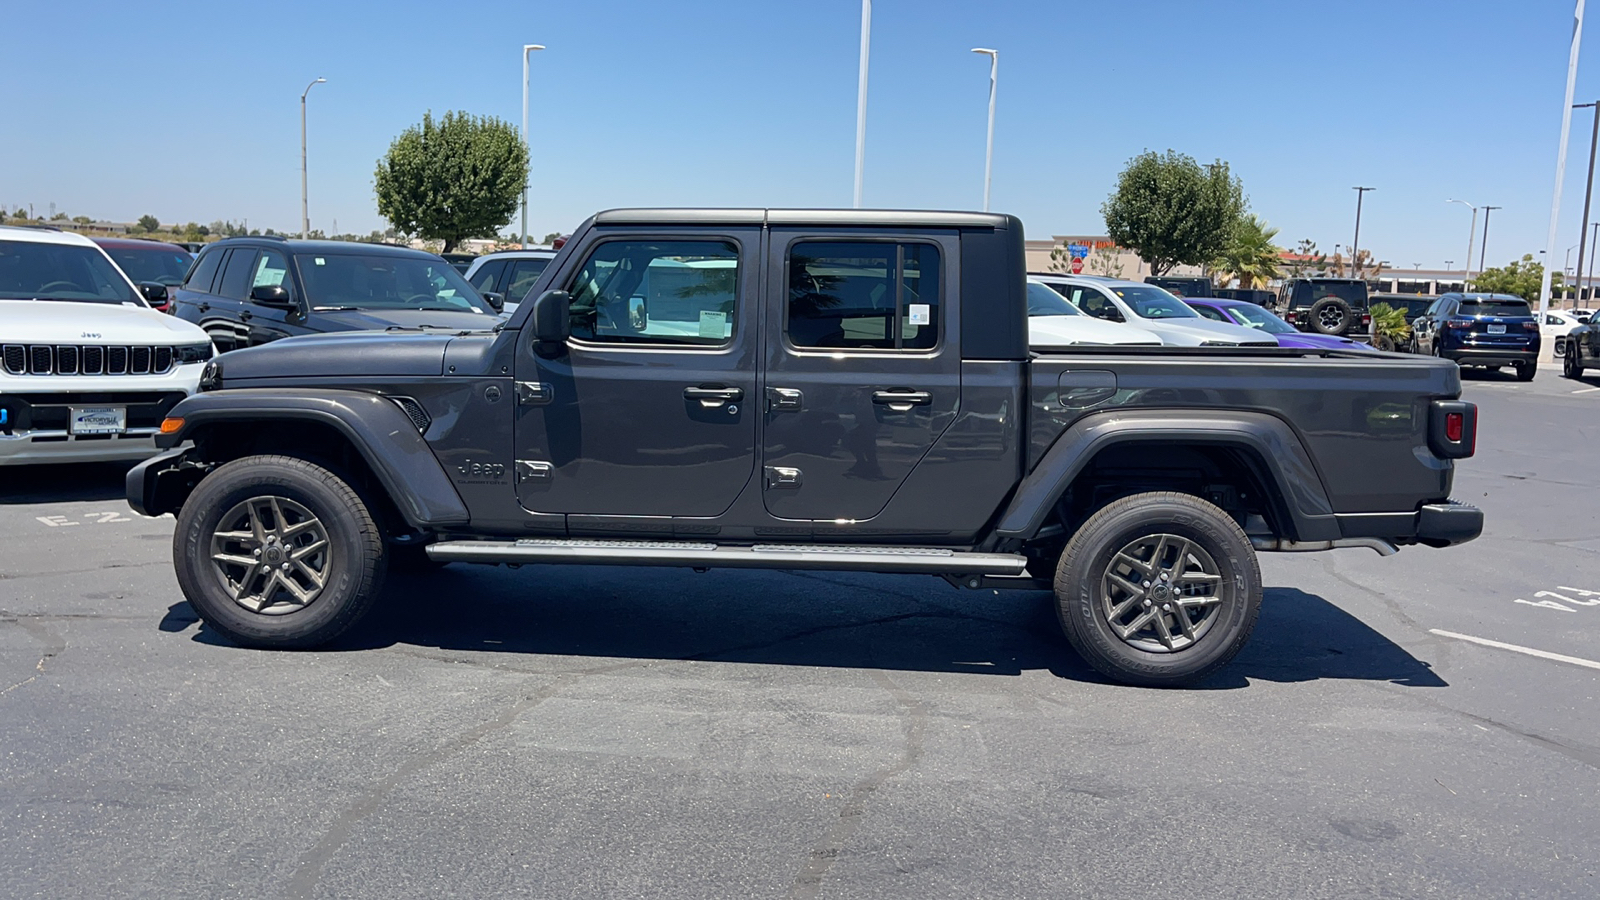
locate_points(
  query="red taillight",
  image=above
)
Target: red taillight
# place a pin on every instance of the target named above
(1457, 324)
(1530, 326)
(1366, 318)
(1452, 426)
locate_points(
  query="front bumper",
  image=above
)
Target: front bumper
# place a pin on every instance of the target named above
(35, 413)
(1448, 523)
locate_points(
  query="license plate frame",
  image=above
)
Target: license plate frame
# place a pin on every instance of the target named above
(1497, 329)
(97, 420)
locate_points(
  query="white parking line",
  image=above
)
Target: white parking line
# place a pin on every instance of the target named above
(1542, 654)
(1585, 390)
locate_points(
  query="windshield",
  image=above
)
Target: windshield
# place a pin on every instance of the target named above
(1154, 303)
(371, 281)
(1042, 301)
(163, 265)
(1256, 317)
(30, 270)
(1493, 306)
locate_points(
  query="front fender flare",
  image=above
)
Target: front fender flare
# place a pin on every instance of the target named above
(1269, 438)
(380, 431)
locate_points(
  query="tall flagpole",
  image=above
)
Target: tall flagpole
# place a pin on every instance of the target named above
(1561, 160)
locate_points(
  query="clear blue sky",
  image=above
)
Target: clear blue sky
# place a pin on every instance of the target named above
(189, 111)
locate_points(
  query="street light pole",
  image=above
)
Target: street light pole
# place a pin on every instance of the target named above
(1472, 236)
(1355, 245)
(1593, 241)
(1588, 189)
(861, 97)
(305, 213)
(1483, 251)
(527, 148)
(988, 153)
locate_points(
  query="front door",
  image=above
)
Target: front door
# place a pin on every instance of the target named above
(269, 323)
(650, 408)
(863, 368)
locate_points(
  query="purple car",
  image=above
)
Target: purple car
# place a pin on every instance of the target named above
(1243, 312)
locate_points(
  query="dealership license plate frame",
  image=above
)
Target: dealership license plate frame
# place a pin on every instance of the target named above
(92, 420)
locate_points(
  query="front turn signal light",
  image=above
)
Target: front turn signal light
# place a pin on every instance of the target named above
(172, 424)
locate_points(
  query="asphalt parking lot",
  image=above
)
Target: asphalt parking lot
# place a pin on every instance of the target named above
(616, 732)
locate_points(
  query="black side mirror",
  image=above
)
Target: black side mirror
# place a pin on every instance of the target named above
(154, 294)
(272, 295)
(552, 323)
(495, 299)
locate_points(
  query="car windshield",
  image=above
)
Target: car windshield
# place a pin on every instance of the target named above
(374, 281)
(1044, 302)
(1154, 303)
(33, 270)
(1256, 317)
(163, 265)
(1493, 306)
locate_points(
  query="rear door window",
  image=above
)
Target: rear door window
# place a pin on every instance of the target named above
(488, 275)
(236, 274)
(864, 294)
(205, 271)
(520, 277)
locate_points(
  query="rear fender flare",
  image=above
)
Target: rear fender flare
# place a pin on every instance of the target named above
(1269, 438)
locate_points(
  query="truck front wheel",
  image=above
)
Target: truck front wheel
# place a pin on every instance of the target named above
(277, 552)
(1158, 589)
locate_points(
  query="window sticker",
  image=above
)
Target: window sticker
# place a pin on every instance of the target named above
(918, 313)
(320, 261)
(713, 324)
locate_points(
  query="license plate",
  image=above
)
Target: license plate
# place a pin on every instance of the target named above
(99, 420)
(1497, 329)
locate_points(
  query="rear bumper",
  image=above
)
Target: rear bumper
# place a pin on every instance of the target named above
(1448, 523)
(1492, 356)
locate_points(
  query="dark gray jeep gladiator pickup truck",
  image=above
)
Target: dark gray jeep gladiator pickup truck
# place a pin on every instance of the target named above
(801, 389)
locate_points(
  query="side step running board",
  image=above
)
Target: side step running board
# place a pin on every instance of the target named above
(925, 560)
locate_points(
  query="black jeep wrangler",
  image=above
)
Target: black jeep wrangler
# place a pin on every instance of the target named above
(801, 389)
(1325, 305)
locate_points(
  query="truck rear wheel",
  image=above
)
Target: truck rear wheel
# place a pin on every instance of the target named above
(1158, 589)
(277, 552)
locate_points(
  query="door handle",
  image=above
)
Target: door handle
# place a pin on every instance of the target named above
(713, 397)
(202, 306)
(902, 400)
(245, 315)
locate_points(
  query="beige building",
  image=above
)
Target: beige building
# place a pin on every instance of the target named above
(1100, 257)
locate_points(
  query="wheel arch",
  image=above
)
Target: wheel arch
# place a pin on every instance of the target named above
(361, 433)
(1259, 449)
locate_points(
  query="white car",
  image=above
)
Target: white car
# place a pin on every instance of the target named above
(1154, 310)
(1054, 322)
(509, 273)
(1559, 324)
(87, 369)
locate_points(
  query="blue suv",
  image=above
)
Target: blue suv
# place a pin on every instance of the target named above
(1488, 330)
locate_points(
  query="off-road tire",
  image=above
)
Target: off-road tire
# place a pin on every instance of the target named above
(354, 567)
(1346, 316)
(1082, 573)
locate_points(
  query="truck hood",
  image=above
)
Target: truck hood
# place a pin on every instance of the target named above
(349, 353)
(1060, 331)
(65, 322)
(363, 319)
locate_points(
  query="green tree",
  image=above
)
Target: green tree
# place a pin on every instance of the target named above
(149, 223)
(1250, 255)
(83, 220)
(551, 237)
(1308, 261)
(456, 178)
(1520, 278)
(1172, 211)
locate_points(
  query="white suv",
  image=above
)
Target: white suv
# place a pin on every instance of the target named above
(87, 369)
(1152, 309)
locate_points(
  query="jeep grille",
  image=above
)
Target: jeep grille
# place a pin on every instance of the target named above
(92, 359)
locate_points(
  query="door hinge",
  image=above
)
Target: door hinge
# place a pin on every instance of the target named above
(533, 470)
(783, 477)
(534, 393)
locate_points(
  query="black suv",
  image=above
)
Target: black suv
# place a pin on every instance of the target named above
(1182, 285)
(1325, 305)
(249, 291)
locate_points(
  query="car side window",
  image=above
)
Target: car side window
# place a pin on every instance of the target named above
(520, 277)
(204, 272)
(864, 294)
(488, 275)
(657, 292)
(1095, 304)
(236, 275)
(270, 270)
(1209, 312)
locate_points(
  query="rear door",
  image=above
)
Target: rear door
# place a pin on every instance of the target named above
(221, 312)
(863, 367)
(650, 408)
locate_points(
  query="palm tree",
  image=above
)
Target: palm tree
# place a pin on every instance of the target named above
(1250, 255)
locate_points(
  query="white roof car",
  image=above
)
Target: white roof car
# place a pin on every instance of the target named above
(1054, 322)
(1558, 323)
(509, 273)
(1152, 309)
(87, 369)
